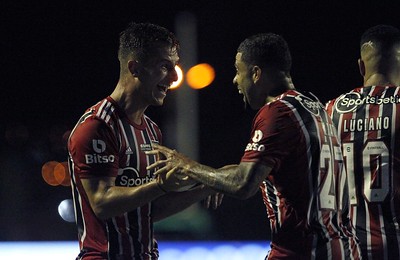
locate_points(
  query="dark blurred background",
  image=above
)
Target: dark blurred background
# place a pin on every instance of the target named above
(59, 57)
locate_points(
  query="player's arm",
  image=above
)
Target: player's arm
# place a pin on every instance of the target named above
(240, 181)
(175, 202)
(107, 200)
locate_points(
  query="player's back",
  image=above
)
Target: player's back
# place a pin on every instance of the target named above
(305, 195)
(368, 122)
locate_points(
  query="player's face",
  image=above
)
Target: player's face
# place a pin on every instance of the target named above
(245, 83)
(158, 74)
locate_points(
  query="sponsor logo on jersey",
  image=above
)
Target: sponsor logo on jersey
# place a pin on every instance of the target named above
(128, 150)
(255, 146)
(350, 101)
(310, 105)
(146, 147)
(129, 177)
(97, 158)
(257, 136)
(99, 146)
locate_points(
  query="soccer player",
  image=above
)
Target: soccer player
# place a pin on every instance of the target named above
(293, 155)
(368, 122)
(116, 198)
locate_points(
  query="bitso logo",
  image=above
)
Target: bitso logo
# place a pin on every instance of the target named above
(255, 146)
(99, 146)
(257, 136)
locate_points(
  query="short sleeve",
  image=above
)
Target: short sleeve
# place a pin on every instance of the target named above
(274, 136)
(93, 149)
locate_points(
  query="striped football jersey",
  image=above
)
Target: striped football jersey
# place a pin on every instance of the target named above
(304, 195)
(368, 122)
(104, 143)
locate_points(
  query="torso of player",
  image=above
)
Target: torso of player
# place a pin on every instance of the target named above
(295, 136)
(368, 120)
(106, 143)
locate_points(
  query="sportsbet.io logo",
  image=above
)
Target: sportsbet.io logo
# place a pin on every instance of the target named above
(98, 146)
(129, 177)
(309, 104)
(350, 101)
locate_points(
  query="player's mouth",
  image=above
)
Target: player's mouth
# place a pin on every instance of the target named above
(163, 88)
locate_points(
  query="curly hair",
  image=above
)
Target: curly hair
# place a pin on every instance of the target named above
(266, 49)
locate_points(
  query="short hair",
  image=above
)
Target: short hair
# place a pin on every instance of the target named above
(266, 49)
(383, 36)
(139, 39)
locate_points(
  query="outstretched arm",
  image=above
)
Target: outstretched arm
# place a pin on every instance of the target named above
(240, 181)
(175, 202)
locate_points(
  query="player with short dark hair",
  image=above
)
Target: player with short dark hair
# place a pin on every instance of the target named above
(293, 156)
(368, 122)
(116, 198)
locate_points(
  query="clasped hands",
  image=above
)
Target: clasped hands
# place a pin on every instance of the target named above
(171, 172)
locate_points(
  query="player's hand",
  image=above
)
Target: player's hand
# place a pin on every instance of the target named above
(213, 201)
(171, 160)
(171, 180)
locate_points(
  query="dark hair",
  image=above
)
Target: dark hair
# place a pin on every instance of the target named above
(139, 39)
(266, 49)
(382, 35)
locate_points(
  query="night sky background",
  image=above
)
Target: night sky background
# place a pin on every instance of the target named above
(59, 57)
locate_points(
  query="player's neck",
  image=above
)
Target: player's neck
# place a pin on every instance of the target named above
(281, 86)
(133, 108)
(378, 79)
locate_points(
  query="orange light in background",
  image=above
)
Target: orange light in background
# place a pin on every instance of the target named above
(200, 76)
(177, 83)
(61, 174)
(48, 173)
(55, 173)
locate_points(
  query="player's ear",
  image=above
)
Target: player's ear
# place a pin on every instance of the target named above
(256, 72)
(133, 67)
(361, 67)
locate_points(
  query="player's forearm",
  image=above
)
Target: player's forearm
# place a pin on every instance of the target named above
(175, 202)
(227, 179)
(117, 200)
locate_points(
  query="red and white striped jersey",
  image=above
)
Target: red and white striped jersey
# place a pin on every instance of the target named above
(304, 194)
(368, 122)
(105, 143)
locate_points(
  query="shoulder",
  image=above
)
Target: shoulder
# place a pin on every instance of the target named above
(98, 120)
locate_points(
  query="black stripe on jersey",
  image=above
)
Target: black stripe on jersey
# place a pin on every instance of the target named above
(76, 195)
(313, 133)
(133, 162)
(272, 198)
(360, 113)
(112, 236)
(133, 217)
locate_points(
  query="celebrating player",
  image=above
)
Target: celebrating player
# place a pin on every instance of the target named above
(293, 155)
